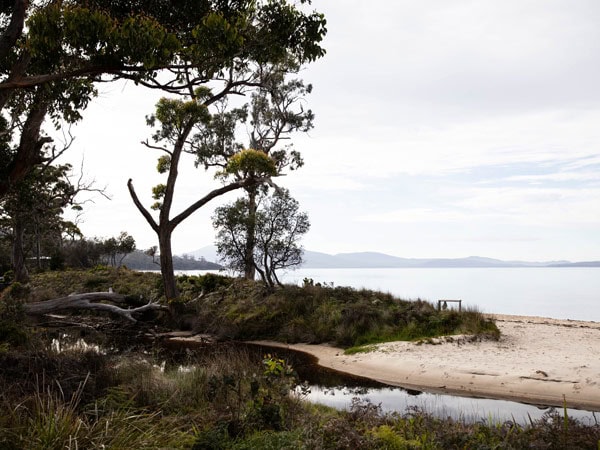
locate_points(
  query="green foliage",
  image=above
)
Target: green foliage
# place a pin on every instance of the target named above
(47, 285)
(210, 282)
(94, 35)
(163, 165)
(278, 227)
(32, 214)
(158, 191)
(341, 315)
(250, 163)
(176, 117)
(11, 332)
(12, 313)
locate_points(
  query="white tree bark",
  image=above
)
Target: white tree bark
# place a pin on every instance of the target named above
(90, 301)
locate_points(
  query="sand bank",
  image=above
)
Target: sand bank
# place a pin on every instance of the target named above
(537, 360)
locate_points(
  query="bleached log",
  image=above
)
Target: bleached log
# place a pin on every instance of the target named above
(90, 301)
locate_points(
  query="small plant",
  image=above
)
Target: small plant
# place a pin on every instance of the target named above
(360, 349)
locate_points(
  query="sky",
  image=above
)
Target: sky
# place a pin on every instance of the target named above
(444, 128)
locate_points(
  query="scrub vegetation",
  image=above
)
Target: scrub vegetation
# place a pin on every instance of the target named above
(57, 397)
(83, 399)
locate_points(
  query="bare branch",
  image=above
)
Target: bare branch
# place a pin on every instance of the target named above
(140, 207)
(213, 194)
(156, 147)
(89, 301)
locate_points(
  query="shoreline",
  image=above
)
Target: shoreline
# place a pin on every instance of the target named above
(537, 360)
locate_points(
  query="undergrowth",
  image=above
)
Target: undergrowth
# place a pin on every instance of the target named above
(239, 309)
(341, 315)
(227, 401)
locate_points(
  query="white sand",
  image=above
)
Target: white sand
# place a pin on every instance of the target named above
(537, 360)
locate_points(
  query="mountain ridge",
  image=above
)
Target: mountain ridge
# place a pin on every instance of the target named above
(376, 260)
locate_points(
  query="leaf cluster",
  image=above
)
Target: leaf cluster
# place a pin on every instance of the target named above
(175, 116)
(79, 35)
(250, 163)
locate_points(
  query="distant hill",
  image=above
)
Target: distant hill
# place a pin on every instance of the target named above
(381, 260)
(209, 253)
(138, 260)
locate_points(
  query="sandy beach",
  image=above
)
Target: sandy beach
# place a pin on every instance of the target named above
(537, 360)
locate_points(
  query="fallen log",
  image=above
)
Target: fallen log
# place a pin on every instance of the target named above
(90, 301)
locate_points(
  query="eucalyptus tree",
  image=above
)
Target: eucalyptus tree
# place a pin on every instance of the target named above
(279, 227)
(32, 211)
(53, 53)
(115, 249)
(175, 121)
(275, 112)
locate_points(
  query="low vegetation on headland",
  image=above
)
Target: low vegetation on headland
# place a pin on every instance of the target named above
(80, 398)
(237, 309)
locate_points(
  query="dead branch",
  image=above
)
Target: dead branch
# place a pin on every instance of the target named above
(90, 301)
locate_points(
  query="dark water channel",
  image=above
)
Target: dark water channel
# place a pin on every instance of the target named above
(338, 390)
(332, 388)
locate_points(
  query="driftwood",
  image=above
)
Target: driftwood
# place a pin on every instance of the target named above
(90, 301)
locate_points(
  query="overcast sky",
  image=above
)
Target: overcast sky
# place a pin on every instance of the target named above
(443, 128)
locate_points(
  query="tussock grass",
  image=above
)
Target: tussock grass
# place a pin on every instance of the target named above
(228, 400)
(342, 315)
(232, 401)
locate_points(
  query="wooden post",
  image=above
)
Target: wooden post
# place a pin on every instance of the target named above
(443, 304)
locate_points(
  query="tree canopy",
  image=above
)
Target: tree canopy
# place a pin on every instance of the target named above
(53, 53)
(279, 227)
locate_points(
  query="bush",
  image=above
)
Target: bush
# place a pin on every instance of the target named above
(315, 314)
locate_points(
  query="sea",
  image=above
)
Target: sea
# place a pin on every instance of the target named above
(556, 292)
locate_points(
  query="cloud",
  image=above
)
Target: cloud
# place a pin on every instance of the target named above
(414, 215)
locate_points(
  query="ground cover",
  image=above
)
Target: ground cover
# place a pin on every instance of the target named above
(85, 398)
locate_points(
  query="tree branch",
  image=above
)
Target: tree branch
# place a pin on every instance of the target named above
(14, 29)
(140, 207)
(211, 195)
(89, 301)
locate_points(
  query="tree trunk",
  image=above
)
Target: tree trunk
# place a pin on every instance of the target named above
(249, 266)
(29, 151)
(21, 273)
(166, 264)
(38, 248)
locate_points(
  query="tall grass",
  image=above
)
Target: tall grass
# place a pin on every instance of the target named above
(48, 420)
(230, 400)
(344, 316)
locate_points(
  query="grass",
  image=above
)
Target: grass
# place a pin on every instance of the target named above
(238, 309)
(360, 349)
(229, 400)
(315, 314)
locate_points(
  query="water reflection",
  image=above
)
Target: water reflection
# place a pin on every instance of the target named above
(338, 390)
(467, 409)
(65, 343)
(327, 386)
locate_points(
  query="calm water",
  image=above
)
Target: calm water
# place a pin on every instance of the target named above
(468, 409)
(338, 390)
(561, 293)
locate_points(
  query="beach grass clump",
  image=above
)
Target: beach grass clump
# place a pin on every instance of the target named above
(316, 314)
